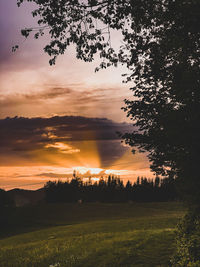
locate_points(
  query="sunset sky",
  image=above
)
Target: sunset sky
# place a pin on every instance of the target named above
(56, 119)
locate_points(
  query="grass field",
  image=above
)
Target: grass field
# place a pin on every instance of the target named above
(92, 235)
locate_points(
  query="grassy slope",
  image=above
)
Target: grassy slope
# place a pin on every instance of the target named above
(92, 235)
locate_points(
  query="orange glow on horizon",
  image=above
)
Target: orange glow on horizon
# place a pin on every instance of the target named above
(58, 160)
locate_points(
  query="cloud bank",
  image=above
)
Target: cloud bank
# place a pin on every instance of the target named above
(72, 139)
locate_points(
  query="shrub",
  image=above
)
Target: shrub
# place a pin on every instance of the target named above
(188, 242)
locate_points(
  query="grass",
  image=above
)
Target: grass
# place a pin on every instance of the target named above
(91, 235)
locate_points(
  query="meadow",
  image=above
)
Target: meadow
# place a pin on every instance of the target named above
(90, 234)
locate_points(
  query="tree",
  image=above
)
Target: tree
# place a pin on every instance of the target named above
(161, 50)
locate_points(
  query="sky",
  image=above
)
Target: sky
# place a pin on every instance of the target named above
(56, 119)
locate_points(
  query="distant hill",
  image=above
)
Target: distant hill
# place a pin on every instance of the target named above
(22, 197)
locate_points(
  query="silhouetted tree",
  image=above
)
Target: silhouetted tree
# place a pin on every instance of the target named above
(110, 189)
(161, 50)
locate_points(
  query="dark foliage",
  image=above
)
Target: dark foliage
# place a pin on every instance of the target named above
(111, 190)
(188, 241)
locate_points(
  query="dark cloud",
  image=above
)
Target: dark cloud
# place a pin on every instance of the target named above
(48, 94)
(65, 94)
(19, 99)
(64, 136)
(69, 127)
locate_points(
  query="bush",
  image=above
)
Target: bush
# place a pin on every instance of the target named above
(188, 242)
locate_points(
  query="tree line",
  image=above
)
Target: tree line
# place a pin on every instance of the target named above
(111, 189)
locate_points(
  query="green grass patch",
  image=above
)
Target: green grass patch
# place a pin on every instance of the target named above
(91, 235)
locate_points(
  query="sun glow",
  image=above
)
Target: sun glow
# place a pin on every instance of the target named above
(85, 170)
